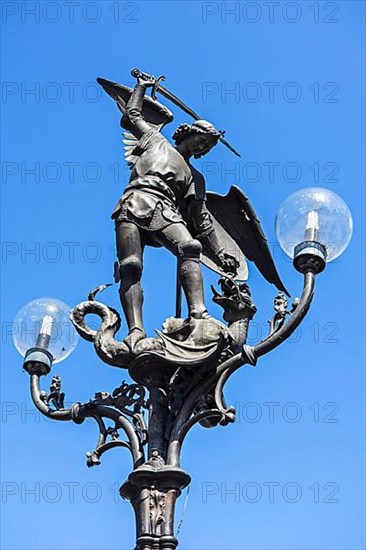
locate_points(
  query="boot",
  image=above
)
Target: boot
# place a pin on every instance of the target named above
(131, 296)
(191, 280)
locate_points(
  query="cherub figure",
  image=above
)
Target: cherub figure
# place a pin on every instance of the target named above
(280, 305)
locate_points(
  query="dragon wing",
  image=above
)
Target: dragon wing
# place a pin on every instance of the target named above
(155, 114)
(236, 216)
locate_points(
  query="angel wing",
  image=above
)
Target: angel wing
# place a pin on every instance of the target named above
(131, 148)
(155, 114)
(236, 217)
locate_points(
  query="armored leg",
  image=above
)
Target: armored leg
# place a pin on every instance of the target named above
(129, 251)
(178, 240)
(191, 277)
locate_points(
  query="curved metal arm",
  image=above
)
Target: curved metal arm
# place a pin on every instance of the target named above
(224, 371)
(78, 413)
(274, 340)
(88, 411)
(42, 405)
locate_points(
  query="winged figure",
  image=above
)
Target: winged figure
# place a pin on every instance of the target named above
(165, 204)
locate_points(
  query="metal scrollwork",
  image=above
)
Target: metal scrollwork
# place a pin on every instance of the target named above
(129, 399)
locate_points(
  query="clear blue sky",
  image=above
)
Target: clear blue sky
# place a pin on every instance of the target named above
(297, 115)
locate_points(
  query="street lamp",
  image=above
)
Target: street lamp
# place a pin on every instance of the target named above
(44, 333)
(313, 224)
(178, 377)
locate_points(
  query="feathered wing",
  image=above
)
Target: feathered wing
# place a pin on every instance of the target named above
(155, 114)
(131, 148)
(236, 216)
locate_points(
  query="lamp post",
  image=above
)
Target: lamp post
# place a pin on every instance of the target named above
(171, 390)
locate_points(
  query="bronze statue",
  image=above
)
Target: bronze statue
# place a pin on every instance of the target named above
(165, 204)
(178, 377)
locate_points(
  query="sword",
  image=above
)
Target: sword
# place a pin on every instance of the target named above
(157, 87)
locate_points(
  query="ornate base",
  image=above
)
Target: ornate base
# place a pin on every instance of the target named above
(178, 369)
(153, 490)
(179, 384)
(181, 342)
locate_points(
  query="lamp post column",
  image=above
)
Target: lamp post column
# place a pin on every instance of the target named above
(154, 487)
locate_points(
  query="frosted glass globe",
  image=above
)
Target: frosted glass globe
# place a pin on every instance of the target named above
(314, 214)
(45, 323)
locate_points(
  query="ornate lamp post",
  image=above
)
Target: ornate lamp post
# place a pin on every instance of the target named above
(178, 377)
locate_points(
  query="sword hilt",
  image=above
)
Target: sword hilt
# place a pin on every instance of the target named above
(136, 73)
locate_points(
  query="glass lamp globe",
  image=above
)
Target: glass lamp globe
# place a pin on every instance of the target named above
(317, 215)
(44, 323)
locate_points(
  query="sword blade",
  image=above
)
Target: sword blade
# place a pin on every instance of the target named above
(179, 103)
(229, 146)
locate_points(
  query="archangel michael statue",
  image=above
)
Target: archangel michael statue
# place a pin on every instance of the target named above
(165, 204)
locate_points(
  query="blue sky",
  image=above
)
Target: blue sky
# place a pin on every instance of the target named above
(285, 80)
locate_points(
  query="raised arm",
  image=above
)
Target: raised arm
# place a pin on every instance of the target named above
(133, 119)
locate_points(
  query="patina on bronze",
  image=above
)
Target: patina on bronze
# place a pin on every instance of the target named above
(179, 375)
